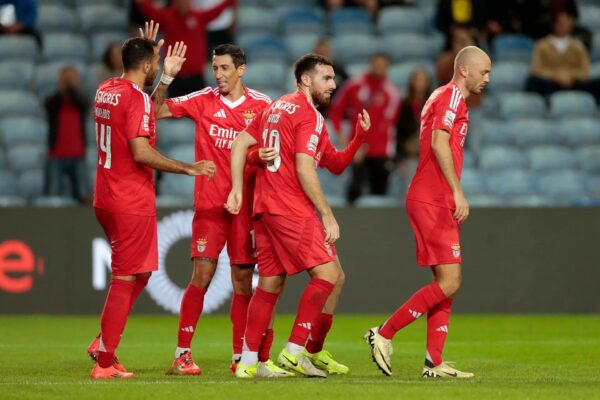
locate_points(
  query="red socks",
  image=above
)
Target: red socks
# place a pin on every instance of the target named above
(260, 311)
(238, 312)
(422, 301)
(189, 313)
(311, 303)
(114, 318)
(264, 351)
(437, 329)
(140, 283)
(319, 333)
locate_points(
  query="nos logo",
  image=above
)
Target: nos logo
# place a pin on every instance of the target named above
(161, 288)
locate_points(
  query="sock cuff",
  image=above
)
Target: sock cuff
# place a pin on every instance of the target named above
(195, 290)
(326, 317)
(268, 297)
(246, 297)
(142, 280)
(322, 284)
(437, 292)
(122, 282)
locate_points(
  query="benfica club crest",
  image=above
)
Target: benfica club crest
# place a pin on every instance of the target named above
(455, 250)
(201, 244)
(248, 116)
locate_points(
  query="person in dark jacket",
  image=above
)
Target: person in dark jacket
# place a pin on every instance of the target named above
(66, 138)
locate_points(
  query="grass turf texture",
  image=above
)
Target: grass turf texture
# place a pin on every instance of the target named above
(513, 357)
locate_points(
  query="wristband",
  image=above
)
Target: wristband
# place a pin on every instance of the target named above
(166, 79)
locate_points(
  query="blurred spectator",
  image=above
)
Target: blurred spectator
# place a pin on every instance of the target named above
(112, 64)
(66, 138)
(323, 47)
(222, 29)
(180, 22)
(460, 37)
(18, 17)
(409, 115)
(536, 15)
(374, 92)
(473, 14)
(561, 62)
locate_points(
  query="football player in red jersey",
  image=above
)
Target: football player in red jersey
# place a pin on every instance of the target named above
(219, 114)
(290, 236)
(124, 195)
(436, 207)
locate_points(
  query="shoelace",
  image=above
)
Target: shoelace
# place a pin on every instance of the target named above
(187, 359)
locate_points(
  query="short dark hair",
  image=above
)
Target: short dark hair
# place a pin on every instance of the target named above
(237, 54)
(381, 54)
(307, 63)
(136, 51)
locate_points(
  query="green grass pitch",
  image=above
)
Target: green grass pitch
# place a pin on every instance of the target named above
(513, 357)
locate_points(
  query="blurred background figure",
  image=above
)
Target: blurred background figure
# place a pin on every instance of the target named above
(220, 30)
(112, 64)
(18, 17)
(65, 162)
(561, 62)
(181, 22)
(409, 120)
(374, 92)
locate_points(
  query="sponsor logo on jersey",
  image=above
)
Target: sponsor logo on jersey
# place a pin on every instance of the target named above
(107, 98)
(455, 250)
(201, 244)
(449, 118)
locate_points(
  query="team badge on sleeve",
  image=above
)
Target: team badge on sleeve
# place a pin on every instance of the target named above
(449, 119)
(201, 244)
(312, 143)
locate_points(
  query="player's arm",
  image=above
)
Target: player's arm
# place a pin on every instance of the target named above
(337, 161)
(172, 65)
(239, 150)
(145, 154)
(309, 180)
(440, 144)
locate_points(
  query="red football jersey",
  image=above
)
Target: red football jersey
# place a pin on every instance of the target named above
(122, 111)
(445, 110)
(291, 125)
(218, 122)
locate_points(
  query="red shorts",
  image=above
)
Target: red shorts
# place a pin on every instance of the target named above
(289, 245)
(133, 242)
(211, 230)
(436, 233)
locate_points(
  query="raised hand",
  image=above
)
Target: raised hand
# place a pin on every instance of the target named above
(203, 167)
(364, 119)
(150, 31)
(234, 202)
(174, 59)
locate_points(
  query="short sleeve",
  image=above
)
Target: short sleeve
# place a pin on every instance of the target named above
(185, 106)
(139, 116)
(308, 133)
(254, 128)
(446, 108)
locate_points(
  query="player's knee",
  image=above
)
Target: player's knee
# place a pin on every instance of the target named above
(450, 286)
(242, 287)
(341, 279)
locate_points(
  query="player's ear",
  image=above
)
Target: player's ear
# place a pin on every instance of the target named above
(241, 70)
(306, 80)
(464, 71)
(147, 67)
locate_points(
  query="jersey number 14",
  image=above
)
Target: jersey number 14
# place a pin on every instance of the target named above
(103, 139)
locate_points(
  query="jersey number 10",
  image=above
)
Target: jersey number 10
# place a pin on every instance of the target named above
(103, 139)
(271, 139)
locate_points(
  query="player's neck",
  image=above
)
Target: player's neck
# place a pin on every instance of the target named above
(305, 91)
(135, 77)
(461, 86)
(235, 94)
